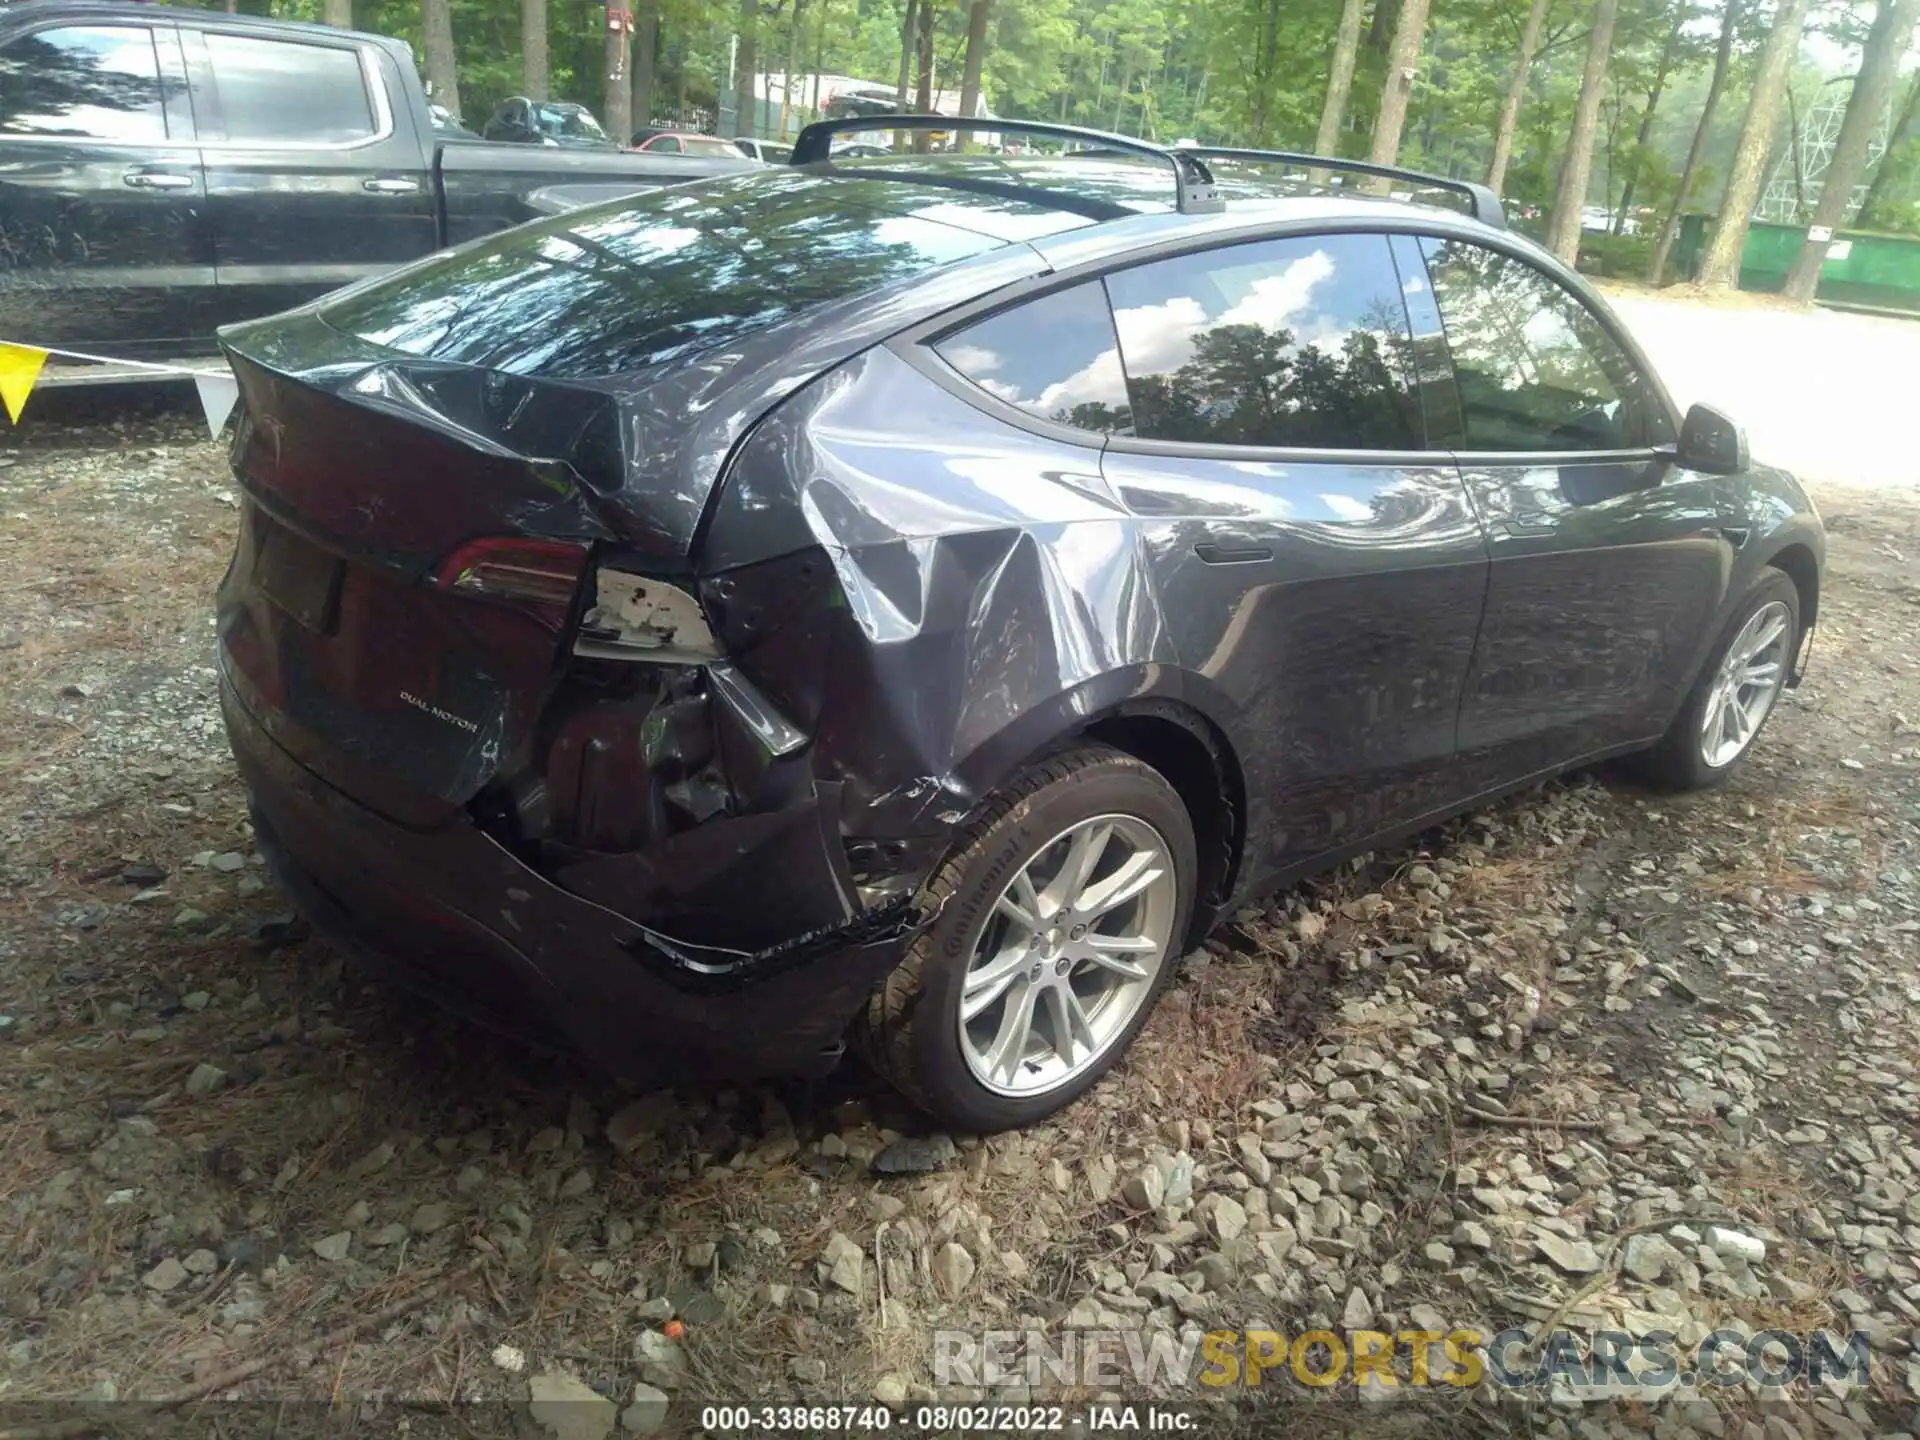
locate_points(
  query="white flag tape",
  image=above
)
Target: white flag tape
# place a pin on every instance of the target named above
(218, 394)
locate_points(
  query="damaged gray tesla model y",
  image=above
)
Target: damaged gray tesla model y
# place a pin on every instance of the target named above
(910, 599)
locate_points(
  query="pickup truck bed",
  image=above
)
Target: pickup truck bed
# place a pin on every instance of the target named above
(168, 171)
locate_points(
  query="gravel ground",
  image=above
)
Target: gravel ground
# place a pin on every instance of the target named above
(1527, 1063)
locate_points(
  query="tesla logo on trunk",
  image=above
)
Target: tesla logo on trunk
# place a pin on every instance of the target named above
(438, 713)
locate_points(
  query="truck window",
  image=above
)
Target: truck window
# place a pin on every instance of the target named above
(97, 82)
(280, 90)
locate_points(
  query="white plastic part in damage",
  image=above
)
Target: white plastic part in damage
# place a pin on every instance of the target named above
(635, 617)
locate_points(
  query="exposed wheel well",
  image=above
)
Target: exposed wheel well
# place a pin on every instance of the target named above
(1797, 562)
(1195, 759)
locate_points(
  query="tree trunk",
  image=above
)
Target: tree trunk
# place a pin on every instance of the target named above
(646, 39)
(1409, 31)
(1563, 226)
(1264, 64)
(533, 49)
(436, 39)
(619, 102)
(795, 30)
(1385, 14)
(339, 14)
(1346, 45)
(923, 96)
(819, 60)
(978, 13)
(1885, 172)
(1720, 266)
(746, 102)
(908, 33)
(1670, 227)
(1887, 41)
(1516, 93)
(1654, 91)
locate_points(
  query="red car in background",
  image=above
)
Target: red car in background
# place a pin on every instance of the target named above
(684, 142)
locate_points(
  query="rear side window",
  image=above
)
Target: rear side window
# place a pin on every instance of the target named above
(1300, 342)
(275, 90)
(649, 278)
(1055, 357)
(95, 82)
(1535, 367)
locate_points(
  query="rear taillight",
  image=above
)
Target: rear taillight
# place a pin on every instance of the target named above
(537, 576)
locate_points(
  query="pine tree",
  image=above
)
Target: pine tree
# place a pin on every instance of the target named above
(1563, 226)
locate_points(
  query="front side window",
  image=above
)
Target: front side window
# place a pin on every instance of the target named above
(1536, 369)
(94, 82)
(1299, 342)
(277, 90)
(1055, 357)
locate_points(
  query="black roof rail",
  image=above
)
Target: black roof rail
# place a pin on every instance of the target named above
(1194, 191)
(1482, 203)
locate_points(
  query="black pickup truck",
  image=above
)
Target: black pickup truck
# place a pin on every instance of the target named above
(165, 171)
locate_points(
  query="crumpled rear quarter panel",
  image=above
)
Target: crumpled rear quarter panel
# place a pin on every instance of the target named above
(929, 592)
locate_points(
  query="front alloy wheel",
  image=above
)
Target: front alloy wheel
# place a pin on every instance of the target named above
(1736, 690)
(1060, 910)
(1746, 684)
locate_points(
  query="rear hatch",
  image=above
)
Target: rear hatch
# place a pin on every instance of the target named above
(434, 462)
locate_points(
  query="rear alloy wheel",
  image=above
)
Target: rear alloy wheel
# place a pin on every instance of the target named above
(1061, 911)
(1737, 688)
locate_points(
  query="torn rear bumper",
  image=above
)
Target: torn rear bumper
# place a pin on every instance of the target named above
(453, 914)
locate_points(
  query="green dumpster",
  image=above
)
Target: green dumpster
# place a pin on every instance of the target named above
(1864, 269)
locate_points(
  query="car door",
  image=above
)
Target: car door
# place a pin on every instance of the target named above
(1609, 559)
(104, 237)
(1320, 565)
(314, 179)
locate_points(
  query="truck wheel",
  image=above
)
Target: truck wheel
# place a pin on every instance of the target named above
(1062, 908)
(1736, 691)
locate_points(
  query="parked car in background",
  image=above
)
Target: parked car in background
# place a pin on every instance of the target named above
(164, 171)
(686, 142)
(773, 152)
(919, 597)
(520, 121)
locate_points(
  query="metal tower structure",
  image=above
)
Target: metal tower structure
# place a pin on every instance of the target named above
(1793, 189)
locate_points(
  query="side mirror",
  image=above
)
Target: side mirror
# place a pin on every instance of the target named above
(1711, 443)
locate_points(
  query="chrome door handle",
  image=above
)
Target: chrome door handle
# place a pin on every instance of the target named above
(391, 187)
(158, 180)
(1528, 532)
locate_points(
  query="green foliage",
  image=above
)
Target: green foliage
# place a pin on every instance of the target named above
(1624, 256)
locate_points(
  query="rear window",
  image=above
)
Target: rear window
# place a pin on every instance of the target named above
(648, 279)
(273, 90)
